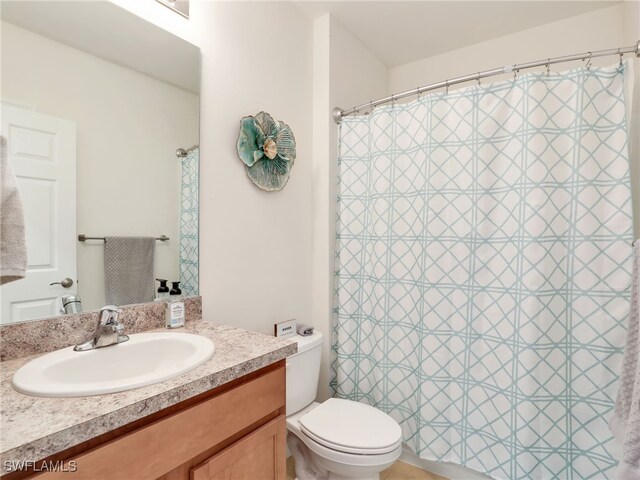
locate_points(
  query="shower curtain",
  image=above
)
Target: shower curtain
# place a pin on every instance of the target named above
(483, 271)
(189, 244)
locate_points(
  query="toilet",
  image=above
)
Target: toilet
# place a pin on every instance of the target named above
(337, 439)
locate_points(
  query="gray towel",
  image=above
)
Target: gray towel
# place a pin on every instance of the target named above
(625, 423)
(13, 250)
(128, 270)
(304, 330)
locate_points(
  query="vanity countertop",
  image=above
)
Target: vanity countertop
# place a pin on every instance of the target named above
(32, 428)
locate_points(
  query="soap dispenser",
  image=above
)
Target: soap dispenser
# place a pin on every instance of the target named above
(163, 290)
(175, 307)
(175, 292)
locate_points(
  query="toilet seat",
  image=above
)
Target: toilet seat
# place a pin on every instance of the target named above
(351, 427)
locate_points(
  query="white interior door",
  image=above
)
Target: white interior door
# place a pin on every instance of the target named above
(42, 151)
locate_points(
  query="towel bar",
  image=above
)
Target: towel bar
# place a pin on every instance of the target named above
(83, 238)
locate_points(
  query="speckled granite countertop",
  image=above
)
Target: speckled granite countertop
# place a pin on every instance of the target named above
(32, 428)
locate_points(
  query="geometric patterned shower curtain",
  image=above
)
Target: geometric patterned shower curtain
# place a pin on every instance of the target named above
(189, 244)
(483, 271)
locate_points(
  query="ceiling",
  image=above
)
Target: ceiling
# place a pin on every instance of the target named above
(400, 32)
(105, 30)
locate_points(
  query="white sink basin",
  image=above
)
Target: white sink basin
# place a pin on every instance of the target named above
(145, 359)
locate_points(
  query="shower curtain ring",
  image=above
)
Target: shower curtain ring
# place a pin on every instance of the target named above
(478, 79)
(418, 92)
(588, 65)
(446, 87)
(620, 57)
(548, 66)
(393, 101)
(515, 73)
(370, 106)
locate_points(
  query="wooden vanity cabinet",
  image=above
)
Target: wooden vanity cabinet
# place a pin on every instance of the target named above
(234, 432)
(255, 456)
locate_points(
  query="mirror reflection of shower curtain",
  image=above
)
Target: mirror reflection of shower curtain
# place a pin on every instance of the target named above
(483, 271)
(189, 267)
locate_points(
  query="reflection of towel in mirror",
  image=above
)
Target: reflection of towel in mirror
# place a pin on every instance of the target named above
(13, 250)
(128, 269)
(625, 423)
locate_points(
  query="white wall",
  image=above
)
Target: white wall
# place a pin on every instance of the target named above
(344, 73)
(595, 30)
(601, 29)
(255, 246)
(128, 128)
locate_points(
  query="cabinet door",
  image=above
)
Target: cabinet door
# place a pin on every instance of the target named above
(258, 456)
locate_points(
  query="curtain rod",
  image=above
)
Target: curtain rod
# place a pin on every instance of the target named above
(339, 114)
(181, 152)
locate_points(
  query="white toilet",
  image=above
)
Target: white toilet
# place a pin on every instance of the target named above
(337, 439)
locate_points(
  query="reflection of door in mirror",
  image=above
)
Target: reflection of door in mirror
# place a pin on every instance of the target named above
(42, 151)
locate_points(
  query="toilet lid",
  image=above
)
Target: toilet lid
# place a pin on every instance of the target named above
(352, 427)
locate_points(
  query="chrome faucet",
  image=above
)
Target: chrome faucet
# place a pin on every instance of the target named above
(108, 332)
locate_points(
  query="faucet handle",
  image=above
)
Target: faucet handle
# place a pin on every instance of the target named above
(109, 314)
(111, 308)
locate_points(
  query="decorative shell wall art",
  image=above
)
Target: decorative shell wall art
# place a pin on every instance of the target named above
(268, 150)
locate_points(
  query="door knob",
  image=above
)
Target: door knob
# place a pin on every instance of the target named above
(65, 282)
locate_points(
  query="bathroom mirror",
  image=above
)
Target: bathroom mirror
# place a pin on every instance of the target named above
(95, 104)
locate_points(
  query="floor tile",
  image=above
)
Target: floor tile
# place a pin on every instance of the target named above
(291, 469)
(405, 471)
(397, 471)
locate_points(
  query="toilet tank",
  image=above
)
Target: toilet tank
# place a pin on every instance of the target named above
(303, 372)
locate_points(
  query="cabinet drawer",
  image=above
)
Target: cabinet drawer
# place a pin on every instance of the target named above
(258, 456)
(156, 448)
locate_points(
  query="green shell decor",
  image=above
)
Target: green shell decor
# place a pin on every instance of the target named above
(268, 150)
